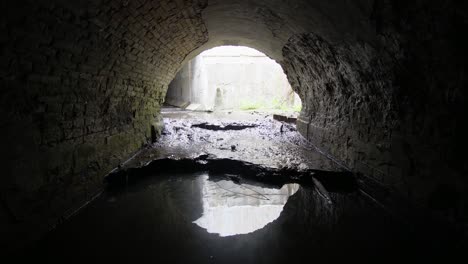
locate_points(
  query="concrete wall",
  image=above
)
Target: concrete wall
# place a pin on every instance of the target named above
(231, 77)
(189, 85)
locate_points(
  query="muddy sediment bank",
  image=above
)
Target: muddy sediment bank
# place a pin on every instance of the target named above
(252, 137)
(239, 171)
(253, 146)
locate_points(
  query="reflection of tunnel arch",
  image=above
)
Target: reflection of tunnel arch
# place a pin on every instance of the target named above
(382, 87)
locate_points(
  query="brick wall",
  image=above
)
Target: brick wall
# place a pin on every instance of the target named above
(392, 110)
(81, 87)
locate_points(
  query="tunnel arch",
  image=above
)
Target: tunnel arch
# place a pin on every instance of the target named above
(83, 82)
(252, 80)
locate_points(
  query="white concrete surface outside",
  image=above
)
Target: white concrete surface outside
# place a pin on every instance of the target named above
(230, 77)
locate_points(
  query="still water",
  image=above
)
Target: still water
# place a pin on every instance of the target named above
(201, 218)
(233, 209)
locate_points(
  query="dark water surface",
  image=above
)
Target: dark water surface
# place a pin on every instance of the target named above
(197, 218)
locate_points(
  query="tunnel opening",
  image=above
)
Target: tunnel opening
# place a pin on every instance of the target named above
(231, 88)
(232, 78)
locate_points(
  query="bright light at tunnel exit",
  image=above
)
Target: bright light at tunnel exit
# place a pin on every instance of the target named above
(232, 78)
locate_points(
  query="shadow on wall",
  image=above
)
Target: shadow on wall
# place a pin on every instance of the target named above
(232, 78)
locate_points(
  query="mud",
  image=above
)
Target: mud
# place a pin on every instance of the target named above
(252, 145)
(223, 127)
(239, 171)
(251, 137)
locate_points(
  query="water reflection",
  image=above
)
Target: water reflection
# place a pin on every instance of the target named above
(233, 209)
(151, 220)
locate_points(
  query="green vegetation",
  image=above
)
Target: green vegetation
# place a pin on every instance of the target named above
(275, 104)
(247, 105)
(297, 108)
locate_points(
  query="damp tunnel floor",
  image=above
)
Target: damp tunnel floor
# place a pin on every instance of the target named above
(155, 219)
(236, 188)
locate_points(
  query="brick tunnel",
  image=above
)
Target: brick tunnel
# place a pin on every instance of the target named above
(383, 87)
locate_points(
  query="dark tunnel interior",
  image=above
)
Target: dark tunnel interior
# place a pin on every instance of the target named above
(94, 164)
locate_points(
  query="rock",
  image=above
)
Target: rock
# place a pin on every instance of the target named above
(286, 119)
(302, 167)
